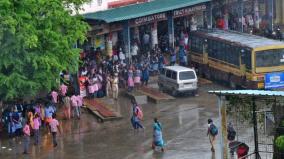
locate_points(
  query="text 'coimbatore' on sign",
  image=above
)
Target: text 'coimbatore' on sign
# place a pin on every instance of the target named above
(150, 18)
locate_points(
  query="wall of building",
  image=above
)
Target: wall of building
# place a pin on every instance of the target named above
(99, 5)
(96, 5)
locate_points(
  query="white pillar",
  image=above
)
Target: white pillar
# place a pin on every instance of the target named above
(154, 33)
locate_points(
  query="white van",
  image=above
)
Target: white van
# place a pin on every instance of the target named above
(178, 79)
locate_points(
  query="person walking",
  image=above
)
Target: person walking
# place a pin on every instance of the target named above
(212, 132)
(115, 86)
(137, 78)
(27, 134)
(137, 116)
(79, 100)
(157, 135)
(36, 126)
(67, 107)
(172, 57)
(130, 80)
(145, 75)
(231, 132)
(49, 110)
(54, 128)
(74, 104)
(108, 85)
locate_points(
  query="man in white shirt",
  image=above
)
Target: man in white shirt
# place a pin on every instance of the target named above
(134, 51)
(121, 55)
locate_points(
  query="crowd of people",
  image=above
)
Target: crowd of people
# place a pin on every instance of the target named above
(98, 76)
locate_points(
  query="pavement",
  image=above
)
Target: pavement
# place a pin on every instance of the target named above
(184, 123)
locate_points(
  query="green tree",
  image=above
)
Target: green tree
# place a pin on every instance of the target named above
(37, 40)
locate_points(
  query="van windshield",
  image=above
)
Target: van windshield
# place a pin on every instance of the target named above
(187, 75)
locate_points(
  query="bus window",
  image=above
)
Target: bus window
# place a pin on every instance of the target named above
(269, 58)
(246, 58)
(196, 45)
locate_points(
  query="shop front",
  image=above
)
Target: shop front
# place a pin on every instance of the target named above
(159, 23)
(186, 20)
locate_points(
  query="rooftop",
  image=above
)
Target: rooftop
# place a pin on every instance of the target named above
(249, 40)
(248, 93)
(140, 10)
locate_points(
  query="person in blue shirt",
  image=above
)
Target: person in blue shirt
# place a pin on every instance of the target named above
(145, 75)
(157, 135)
(181, 54)
(173, 57)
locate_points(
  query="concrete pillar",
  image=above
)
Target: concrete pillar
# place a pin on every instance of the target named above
(256, 14)
(154, 34)
(278, 11)
(270, 11)
(241, 14)
(171, 29)
(136, 34)
(209, 15)
(282, 12)
(126, 38)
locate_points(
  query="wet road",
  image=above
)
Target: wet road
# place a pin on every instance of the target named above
(184, 122)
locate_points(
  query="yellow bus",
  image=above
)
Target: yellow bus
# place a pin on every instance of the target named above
(241, 60)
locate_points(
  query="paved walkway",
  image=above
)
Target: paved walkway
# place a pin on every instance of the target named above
(184, 128)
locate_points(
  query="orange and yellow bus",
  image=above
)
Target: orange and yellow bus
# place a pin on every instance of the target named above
(241, 60)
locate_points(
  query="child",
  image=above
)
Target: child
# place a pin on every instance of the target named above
(27, 133)
(36, 126)
(54, 128)
(137, 78)
(130, 80)
(67, 107)
(74, 105)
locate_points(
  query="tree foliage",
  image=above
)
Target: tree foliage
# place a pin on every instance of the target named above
(37, 40)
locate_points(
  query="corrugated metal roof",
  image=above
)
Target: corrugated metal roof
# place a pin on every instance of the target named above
(248, 92)
(249, 40)
(140, 10)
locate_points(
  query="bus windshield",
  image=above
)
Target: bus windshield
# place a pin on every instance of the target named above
(269, 58)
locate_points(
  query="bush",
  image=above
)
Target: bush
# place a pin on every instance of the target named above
(279, 142)
(282, 123)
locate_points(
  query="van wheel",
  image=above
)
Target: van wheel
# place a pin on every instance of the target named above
(174, 93)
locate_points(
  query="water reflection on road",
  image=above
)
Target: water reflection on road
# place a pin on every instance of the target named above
(184, 129)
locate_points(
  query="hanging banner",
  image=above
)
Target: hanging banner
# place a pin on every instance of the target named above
(188, 11)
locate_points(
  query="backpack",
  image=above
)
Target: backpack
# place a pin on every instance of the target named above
(231, 133)
(139, 112)
(213, 130)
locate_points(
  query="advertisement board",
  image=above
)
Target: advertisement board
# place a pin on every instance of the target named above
(274, 80)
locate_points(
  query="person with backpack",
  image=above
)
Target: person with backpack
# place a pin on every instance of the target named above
(212, 133)
(231, 132)
(137, 115)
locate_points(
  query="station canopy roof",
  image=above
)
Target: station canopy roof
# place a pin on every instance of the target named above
(248, 93)
(140, 10)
